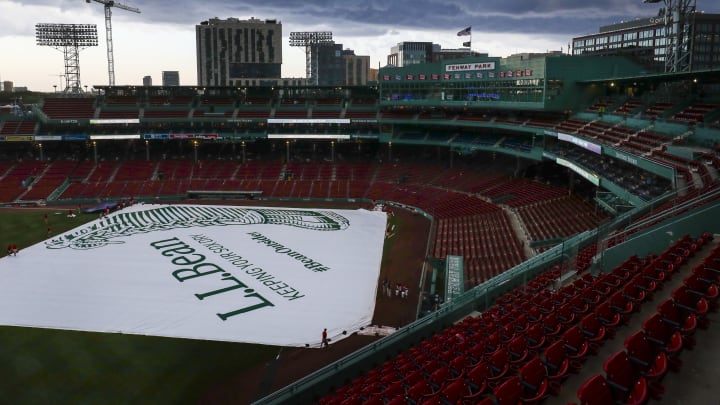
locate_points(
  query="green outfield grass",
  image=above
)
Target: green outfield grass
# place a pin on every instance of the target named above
(43, 366)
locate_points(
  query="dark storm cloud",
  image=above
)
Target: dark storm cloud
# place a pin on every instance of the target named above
(519, 16)
(563, 17)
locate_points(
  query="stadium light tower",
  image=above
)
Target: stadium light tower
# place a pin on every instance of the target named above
(311, 41)
(109, 4)
(677, 16)
(70, 39)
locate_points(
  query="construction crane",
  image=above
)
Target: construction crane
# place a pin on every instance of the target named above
(109, 4)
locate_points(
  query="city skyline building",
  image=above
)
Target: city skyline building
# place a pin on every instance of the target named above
(234, 52)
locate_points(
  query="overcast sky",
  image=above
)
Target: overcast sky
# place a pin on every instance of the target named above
(162, 36)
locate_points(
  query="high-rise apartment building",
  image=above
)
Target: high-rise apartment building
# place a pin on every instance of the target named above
(649, 41)
(412, 53)
(357, 69)
(235, 52)
(170, 78)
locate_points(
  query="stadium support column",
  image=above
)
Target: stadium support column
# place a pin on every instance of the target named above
(147, 150)
(243, 151)
(287, 151)
(389, 151)
(195, 147)
(95, 157)
(332, 151)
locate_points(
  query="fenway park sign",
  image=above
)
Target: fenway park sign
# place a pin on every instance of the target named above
(460, 67)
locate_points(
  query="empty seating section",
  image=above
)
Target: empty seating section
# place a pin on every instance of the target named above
(630, 106)
(635, 374)
(543, 122)
(558, 217)
(602, 105)
(571, 125)
(18, 177)
(121, 101)
(325, 112)
(523, 348)
(476, 359)
(165, 113)
(694, 113)
(485, 240)
(656, 110)
(57, 108)
(522, 192)
(176, 100)
(291, 112)
(52, 177)
(252, 112)
(18, 128)
(361, 114)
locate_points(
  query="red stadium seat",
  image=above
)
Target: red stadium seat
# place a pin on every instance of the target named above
(596, 391)
(552, 326)
(557, 362)
(685, 322)
(593, 329)
(455, 391)
(477, 380)
(534, 380)
(565, 314)
(535, 337)
(518, 349)
(625, 381)
(608, 317)
(499, 363)
(665, 338)
(417, 392)
(575, 343)
(650, 362)
(509, 392)
(621, 305)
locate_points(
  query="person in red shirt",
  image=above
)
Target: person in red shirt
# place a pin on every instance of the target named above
(324, 342)
(9, 250)
(14, 249)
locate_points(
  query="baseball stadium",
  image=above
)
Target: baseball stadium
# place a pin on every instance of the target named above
(537, 228)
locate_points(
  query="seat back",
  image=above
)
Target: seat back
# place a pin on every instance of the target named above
(455, 391)
(639, 349)
(556, 359)
(657, 330)
(508, 393)
(620, 372)
(620, 303)
(686, 300)
(578, 305)
(420, 389)
(565, 313)
(533, 374)
(492, 343)
(606, 314)
(574, 339)
(595, 391)
(535, 336)
(499, 362)
(478, 375)
(590, 324)
(551, 323)
(518, 347)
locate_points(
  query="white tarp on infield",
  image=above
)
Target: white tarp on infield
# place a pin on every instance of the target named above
(246, 274)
